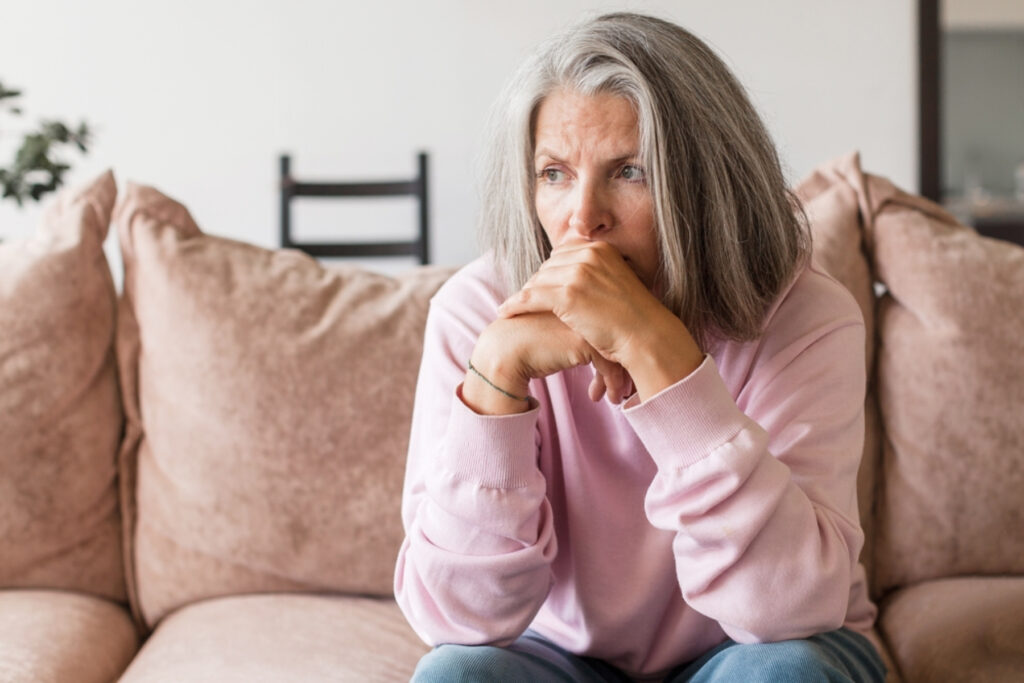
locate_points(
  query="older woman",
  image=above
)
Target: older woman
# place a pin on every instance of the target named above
(639, 416)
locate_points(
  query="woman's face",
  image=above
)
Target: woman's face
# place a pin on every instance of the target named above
(590, 182)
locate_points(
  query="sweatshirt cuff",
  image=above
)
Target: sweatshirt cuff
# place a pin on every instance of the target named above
(493, 451)
(686, 421)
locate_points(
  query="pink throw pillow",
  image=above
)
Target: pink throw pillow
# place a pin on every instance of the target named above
(949, 376)
(60, 412)
(268, 402)
(832, 199)
(951, 388)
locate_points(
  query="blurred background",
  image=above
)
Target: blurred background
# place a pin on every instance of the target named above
(980, 78)
(200, 97)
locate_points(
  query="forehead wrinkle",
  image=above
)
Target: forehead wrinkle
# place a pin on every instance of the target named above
(569, 126)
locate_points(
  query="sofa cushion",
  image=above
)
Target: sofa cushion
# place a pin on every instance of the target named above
(59, 636)
(950, 369)
(280, 638)
(268, 402)
(60, 414)
(834, 209)
(949, 630)
(831, 201)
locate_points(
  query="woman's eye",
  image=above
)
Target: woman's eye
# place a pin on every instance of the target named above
(633, 173)
(552, 175)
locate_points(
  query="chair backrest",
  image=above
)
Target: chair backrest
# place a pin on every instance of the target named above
(417, 187)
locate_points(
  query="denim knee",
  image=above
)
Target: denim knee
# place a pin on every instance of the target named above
(471, 663)
(790, 660)
(454, 663)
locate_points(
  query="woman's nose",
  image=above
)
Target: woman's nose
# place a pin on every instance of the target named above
(590, 214)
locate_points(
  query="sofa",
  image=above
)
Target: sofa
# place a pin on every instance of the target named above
(200, 475)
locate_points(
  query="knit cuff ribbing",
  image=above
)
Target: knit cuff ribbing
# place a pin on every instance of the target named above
(685, 422)
(493, 451)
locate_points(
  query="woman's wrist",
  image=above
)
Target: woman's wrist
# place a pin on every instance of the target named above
(503, 392)
(664, 355)
(488, 392)
(493, 385)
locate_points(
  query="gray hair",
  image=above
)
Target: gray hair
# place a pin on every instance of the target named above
(730, 235)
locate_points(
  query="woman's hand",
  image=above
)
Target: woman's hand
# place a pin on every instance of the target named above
(512, 351)
(591, 288)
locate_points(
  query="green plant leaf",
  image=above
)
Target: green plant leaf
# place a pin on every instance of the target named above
(35, 172)
(56, 131)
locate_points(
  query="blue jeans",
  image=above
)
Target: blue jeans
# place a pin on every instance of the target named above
(841, 655)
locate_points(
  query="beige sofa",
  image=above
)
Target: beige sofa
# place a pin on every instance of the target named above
(200, 479)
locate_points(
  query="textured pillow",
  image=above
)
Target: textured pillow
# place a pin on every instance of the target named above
(951, 389)
(963, 629)
(268, 403)
(833, 204)
(60, 413)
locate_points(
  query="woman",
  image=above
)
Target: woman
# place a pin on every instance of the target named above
(647, 467)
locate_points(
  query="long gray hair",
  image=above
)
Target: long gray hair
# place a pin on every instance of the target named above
(730, 236)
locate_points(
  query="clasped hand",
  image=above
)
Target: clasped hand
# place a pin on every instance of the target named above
(584, 305)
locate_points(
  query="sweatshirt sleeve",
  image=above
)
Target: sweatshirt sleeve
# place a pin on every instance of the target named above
(474, 567)
(762, 501)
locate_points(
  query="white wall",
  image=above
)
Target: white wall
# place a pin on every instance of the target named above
(198, 97)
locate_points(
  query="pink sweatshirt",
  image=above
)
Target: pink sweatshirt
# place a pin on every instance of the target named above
(641, 534)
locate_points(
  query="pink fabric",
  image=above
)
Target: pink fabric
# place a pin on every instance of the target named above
(57, 636)
(951, 388)
(949, 367)
(268, 402)
(962, 629)
(834, 203)
(289, 638)
(60, 412)
(643, 535)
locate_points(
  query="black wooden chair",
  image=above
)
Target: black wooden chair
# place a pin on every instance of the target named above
(417, 187)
